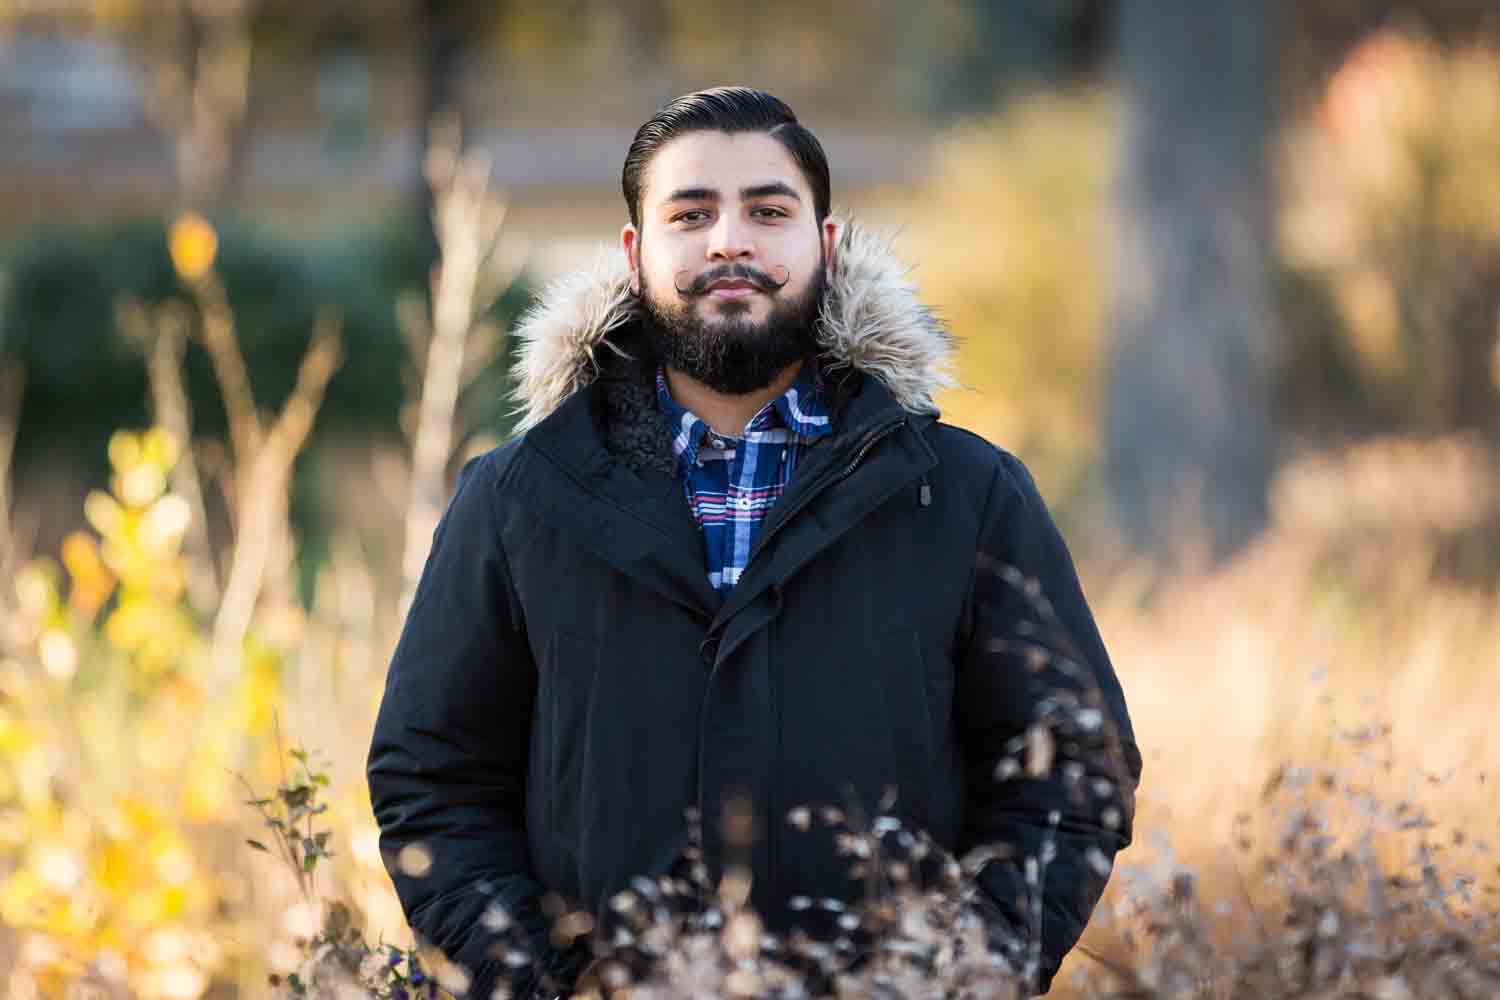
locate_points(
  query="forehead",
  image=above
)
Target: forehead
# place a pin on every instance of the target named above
(723, 161)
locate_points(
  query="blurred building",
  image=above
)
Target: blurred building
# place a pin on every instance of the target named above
(337, 138)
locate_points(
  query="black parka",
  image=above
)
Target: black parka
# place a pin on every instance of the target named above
(568, 684)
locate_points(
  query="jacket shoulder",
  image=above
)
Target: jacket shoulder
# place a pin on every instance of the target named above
(491, 466)
(982, 464)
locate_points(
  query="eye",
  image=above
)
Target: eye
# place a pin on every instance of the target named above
(684, 216)
(772, 212)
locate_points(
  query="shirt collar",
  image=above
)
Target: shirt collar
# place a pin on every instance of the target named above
(802, 409)
(686, 429)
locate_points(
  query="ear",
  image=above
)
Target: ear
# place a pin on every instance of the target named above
(830, 234)
(630, 242)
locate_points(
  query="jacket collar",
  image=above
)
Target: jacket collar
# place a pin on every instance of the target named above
(603, 503)
(587, 398)
(872, 323)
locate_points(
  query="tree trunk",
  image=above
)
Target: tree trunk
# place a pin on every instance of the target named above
(1190, 439)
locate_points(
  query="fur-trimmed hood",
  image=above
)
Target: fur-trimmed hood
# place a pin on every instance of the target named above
(872, 321)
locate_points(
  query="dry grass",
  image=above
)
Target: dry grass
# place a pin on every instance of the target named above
(1340, 623)
(1299, 709)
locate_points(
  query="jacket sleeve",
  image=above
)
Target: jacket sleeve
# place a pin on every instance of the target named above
(448, 759)
(1050, 753)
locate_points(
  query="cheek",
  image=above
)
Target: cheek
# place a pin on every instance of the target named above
(800, 259)
(660, 254)
(667, 271)
(802, 274)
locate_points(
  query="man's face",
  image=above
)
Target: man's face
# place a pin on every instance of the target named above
(729, 259)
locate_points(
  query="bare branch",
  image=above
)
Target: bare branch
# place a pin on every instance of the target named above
(223, 347)
(415, 327)
(467, 219)
(165, 340)
(262, 535)
(484, 346)
(322, 359)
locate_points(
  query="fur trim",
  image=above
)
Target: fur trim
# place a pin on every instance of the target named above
(872, 321)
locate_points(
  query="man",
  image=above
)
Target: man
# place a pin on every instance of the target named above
(735, 554)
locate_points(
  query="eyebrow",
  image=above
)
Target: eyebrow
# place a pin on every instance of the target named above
(746, 193)
(767, 190)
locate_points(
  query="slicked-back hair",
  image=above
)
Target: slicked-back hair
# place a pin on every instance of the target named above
(726, 109)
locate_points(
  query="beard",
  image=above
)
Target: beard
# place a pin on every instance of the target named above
(732, 354)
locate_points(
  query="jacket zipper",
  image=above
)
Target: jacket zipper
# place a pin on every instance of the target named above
(773, 805)
(871, 439)
(874, 437)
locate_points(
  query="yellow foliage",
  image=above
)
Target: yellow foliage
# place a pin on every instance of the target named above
(92, 580)
(1408, 120)
(193, 245)
(1392, 199)
(110, 746)
(1011, 233)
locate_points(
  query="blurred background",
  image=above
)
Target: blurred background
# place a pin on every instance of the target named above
(1226, 276)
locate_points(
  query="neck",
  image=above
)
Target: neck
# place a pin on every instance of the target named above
(727, 414)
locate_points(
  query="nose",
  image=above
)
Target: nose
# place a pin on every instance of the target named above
(728, 241)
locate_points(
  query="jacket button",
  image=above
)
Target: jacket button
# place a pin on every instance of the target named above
(709, 650)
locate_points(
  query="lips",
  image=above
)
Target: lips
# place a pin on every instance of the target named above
(732, 287)
(737, 282)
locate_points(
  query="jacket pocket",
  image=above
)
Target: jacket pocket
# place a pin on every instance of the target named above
(570, 680)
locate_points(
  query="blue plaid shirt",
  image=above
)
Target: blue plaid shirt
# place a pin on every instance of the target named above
(732, 483)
